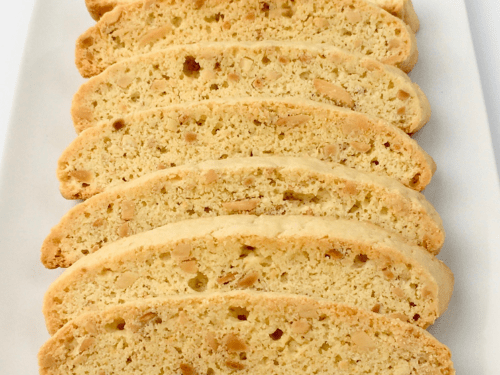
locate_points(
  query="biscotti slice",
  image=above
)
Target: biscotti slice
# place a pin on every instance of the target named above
(400, 8)
(306, 255)
(267, 69)
(138, 28)
(260, 186)
(118, 151)
(244, 333)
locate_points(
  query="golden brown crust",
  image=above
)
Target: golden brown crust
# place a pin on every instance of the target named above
(186, 322)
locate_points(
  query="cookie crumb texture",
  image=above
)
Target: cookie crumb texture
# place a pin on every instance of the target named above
(242, 333)
(320, 73)
(127, 148)
(259, 186)
(357, 26)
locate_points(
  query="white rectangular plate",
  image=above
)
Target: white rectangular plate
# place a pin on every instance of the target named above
(465, 189)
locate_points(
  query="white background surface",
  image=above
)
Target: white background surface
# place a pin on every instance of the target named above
(464, 190)
(484, 18)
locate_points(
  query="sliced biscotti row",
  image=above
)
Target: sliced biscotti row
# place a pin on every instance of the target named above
(265, 69)
(137, 28)
(342, 260)
(121, 150)
(260, 186)
(252, 333)
(400, 8)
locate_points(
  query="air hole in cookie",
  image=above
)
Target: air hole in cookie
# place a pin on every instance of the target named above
(165, 256)
(276, 335)
(266, 262)
(284, 277)
(355, 207)
(363, 258)
(374, 162)
(85, 252)
(191, 68)
(119, 124)
(176, 21)
(135, 96)
(110, 208)
(246, 251)
(265, 60)
(239, 313)
(290, 195)
(116, 325)
(324, 348)
(214, 87)
(305, 75)
(334, 254)
(210, 371)
(415, 180)
(57, 300)
(207, 210)
(243, 356)
(198, 283)
(387, 144)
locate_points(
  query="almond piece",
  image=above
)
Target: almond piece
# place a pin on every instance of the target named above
(125, 81)
(234, 344)
(241, 206)
(334, 92)
(154, 35)
(128, 210)
(212, 340)
(126, 279)
(248, 280)
(189, 266)
(86, 343)
(182, 251)
(292, 121)
(330, 150)
(211, 176)
(301, 327)
(124, 230)
(226, 278)
(361, 146)
(82, 176)
(362, 340)
(159, 85)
